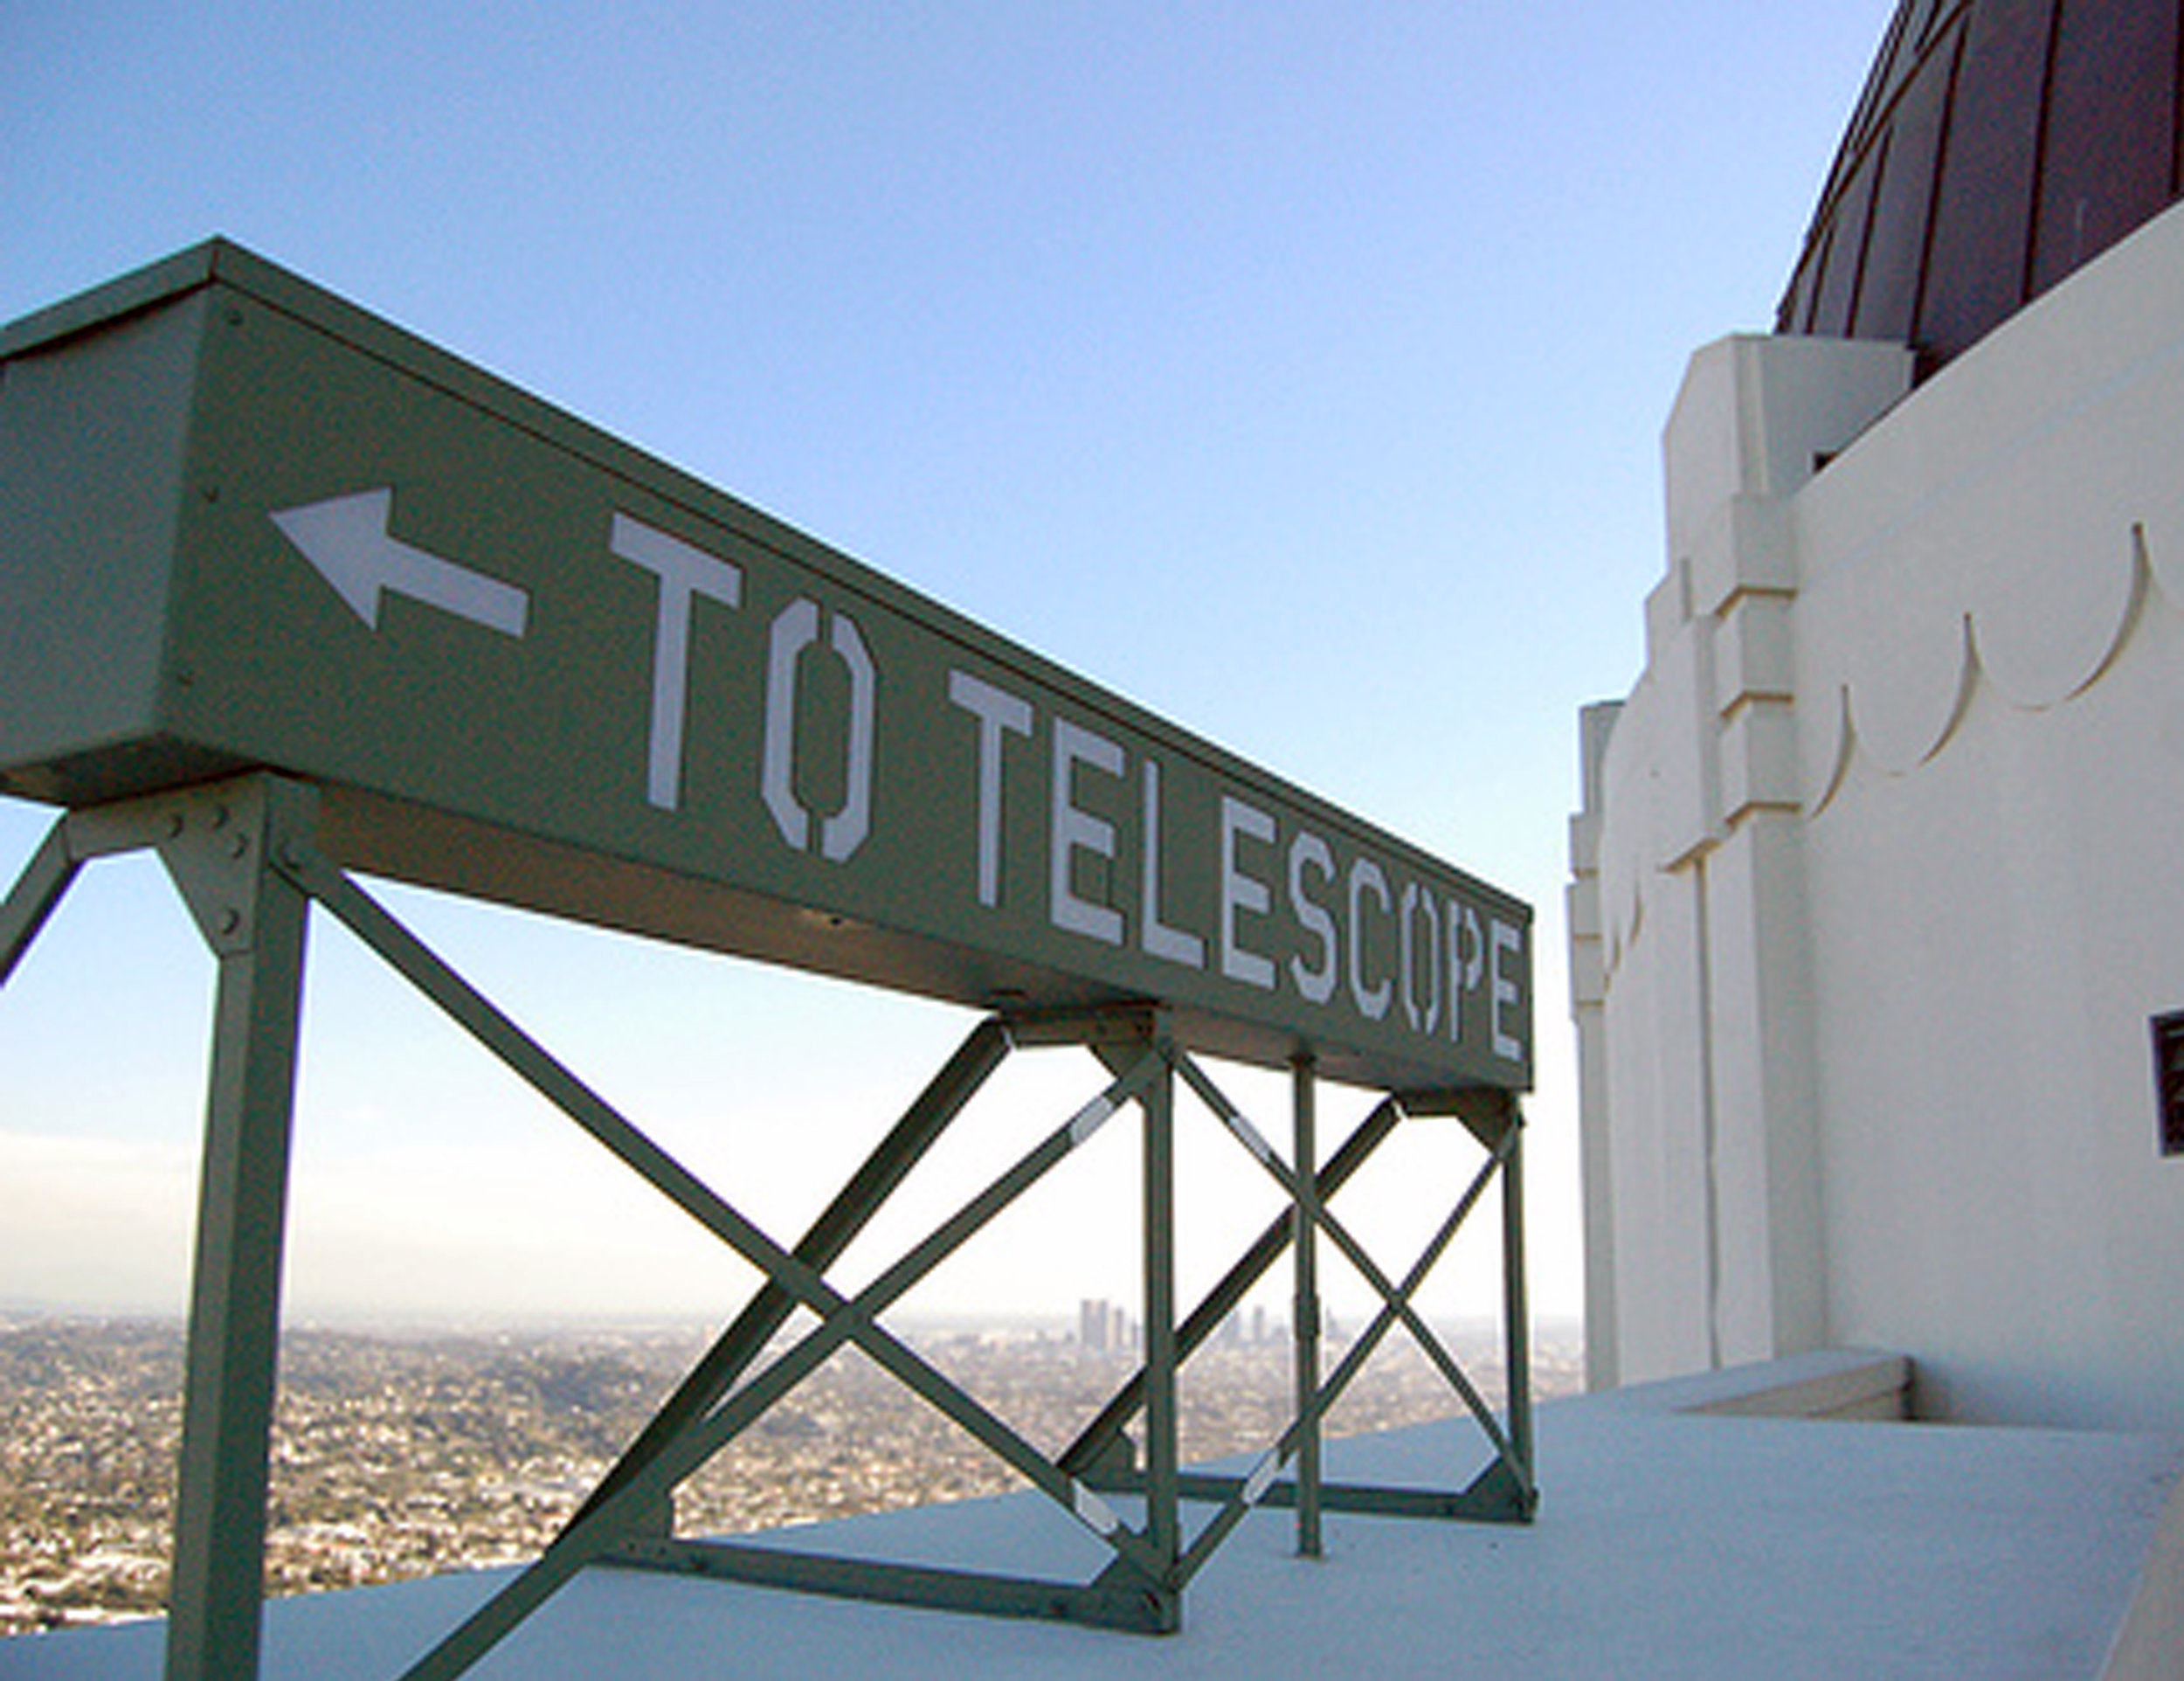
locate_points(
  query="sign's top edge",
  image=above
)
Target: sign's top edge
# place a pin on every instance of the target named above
(219, 262)
(212, 261)
(142, 288)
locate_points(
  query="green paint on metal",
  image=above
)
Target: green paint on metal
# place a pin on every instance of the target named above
(36, 896)
(1306, 1215)
(256, 922)
(1163, 1521)
(1120, 1606)
(247, 525)
(1516, 1313)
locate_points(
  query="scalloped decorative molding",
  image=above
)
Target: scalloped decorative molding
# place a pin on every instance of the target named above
(1902, 696)
(2037, 637)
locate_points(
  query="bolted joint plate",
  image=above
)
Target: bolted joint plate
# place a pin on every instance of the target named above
(1129, 1024)
(217, 841)
(1487, 1113)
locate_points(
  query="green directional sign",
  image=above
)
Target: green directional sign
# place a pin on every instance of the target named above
(244, 524)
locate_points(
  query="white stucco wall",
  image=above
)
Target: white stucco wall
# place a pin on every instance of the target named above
(1879, 879)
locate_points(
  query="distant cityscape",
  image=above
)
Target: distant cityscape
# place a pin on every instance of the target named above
(401, 1455)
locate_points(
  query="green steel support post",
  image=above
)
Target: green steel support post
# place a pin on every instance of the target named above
(1515, 1310)
(1305, 1214)
(1164, 1519)
(36, 893)
(256, 922)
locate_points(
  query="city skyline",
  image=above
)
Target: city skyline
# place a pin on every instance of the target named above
(400, 1455)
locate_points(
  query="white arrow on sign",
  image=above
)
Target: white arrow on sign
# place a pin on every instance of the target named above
(346, 540)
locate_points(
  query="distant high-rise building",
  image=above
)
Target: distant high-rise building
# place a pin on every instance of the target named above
(1103, 1327)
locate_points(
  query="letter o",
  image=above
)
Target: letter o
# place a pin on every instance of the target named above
(1421, 1017)
(796, 628)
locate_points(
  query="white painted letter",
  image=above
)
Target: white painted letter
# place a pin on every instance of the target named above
(843, 833)
(1463, 972)
(1308, 850)
(1077, 830)
(1242, 892)
(997, 710)
(1372, 1002)
(685, 572)
(1507, 938)
(795, 630)
(1173, 944)
(1421, 1017)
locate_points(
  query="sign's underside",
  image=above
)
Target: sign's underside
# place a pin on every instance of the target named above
(245, 525)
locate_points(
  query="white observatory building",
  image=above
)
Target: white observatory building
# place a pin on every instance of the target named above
(1877, 914)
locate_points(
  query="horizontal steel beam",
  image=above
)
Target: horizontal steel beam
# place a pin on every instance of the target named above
(1094, 1605)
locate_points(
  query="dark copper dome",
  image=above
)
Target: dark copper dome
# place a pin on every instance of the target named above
(1999, 144)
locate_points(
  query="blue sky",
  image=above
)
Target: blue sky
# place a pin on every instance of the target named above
(1296, 371)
